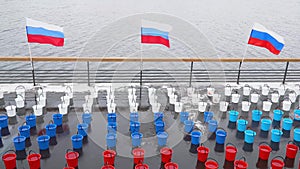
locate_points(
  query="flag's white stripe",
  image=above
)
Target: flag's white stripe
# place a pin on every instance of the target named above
(38, 24)
(155, 25)
(261, 28)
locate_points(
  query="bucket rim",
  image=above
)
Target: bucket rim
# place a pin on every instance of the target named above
(166, 150)
(34, 155)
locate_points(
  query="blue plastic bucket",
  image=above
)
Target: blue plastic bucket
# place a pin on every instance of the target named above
(287, 124)
(112, 127)
(256, 115)
(188, 126)
(24, 131)
(158, 116)
(249, 136)
(208, 116)
(265, 124)
(112, 117)
(111, 140)
(276, 135)
(297, 114)
(159, 126)
(221, 136)
(212, 125)
(77, 141)
(51, 130)
(136, 139)
(184, 116)
(3, 121)
(82, 129)
(43, 142)
(134, 117)
(196, 137)
(58, 119)
(31, 120)
(162, 138)
(277, 115)
(242, 125)
(86, 118)
(19, 142)
(233, 115)
(297, 134)
(135, 127)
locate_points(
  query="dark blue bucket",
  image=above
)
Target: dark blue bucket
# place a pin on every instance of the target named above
(162, 138)
(77, 141)
(208, 116)
(242, 125)
(249, 136)
(184, 116)
(82, 129)
(43, 142)
(233, 115)
(158, 116)
(134, 117)
(51, 130)
(112, 117)
(111, 140)
(277, 115)
(276, 135)
(212, 125)
(24, 131)
(31, 120)
(3, 121)
(188, 126)
(196, 137)
(265, 124)
(112, 127)
(135, 127)
(287, 124)
(297, 114)
(221, 136)
(19, 143)
(136, 139)
(297, 134)
(87, 118)
(159, 126)
(256, 115)
(58, 119)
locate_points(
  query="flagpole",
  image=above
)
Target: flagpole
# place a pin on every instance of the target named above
(32, 65)
(141, 72)
(239, 71)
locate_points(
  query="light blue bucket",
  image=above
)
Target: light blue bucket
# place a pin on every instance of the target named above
(221, 136)
(112, 117)
(136, 139)
(277, 115)
(19, 142)
(287, 124)
(51, 130)
(265, 124)
(87, 118)
(112, 127)
(188, 126)
(196, 137)
(276, 135)
(297, 114)
(184, 116)
(77, 141)
(233, 115)
(134, 117)
(43, 142)
(24, 131)
(242, 125)
(249, 136)
(158, 116)
(162, 138)
(111, 140)
(135, 127)
(212, 125)
(58, 119)
(208, 116)
(297, 134)
(256, 115)
(159, 126)
(82, 129)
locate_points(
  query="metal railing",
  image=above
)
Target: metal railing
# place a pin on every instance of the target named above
(190, 75)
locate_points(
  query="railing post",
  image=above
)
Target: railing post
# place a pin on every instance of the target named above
(285, 72)
(191, 74)
(88, 72)
(239, 73)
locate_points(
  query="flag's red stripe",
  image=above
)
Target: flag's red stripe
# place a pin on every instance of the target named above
(45, 40)
(263, 43)
(155, 40)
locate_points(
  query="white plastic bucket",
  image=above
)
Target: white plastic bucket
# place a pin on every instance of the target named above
(69, 92)
(153, 99)
(155, 107)
(228, 90)
(134, 107)
(38, 110)
(275, 97)
(173, 99)
(246, 106)
(132, 98)
(281, 90)
(170, 91)
(223, 106)
(63, 109)
(190, 91)
(216, 98)
(210, 91)
(286, 105)
(178, 107)
(254, 98)
(151, 91)
(265, 90)
(41, 100)
(246, 90)
(131, 91)
(235, 98)
(267, 105)
(11, 110)
(21, 91)
(19, 102)
(111, 107)
(65, 99)
(293, 97)
(202, 106)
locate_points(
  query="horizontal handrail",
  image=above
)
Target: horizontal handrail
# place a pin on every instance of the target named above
(132, 59)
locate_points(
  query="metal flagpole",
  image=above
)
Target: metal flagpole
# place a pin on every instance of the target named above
(32, 65)
(141, 73)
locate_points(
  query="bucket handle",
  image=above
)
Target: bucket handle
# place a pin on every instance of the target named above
(266, 143)
(221, 128)
(231, 144)
(291, 142)
(242, 158)
(32, 152)
(266, 117)
(8, 151)
(20, 86)
(287, 116)
(209, 158)
(279, 157)
(51, 122)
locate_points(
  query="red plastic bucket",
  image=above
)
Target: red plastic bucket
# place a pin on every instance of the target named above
(264, 151)
(291, 150)
(142, 166)
(69, 168)
(72, 158)
(171, 165)
(138, 155)
(211, 164)
(9, 160)
(230, 152)
(34, 160)
(166, 154)
(277, 163)
(109, 157)
(240, 164)
(108, 167)
(202, 153)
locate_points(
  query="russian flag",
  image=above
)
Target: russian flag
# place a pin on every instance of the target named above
(261, 36)
(155, 33)
(40, 32)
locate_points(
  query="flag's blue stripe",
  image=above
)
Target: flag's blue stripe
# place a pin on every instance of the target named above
(45, 32)
(155, 32)
(267, 37)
